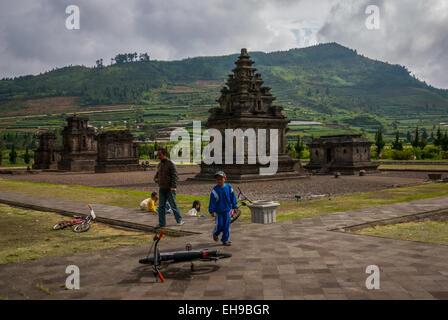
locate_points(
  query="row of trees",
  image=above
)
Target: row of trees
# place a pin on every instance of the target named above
(420, 146)
(124, 58)
(13, 155)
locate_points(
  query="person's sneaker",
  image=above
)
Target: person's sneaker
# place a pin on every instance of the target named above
(159, 226)
(215, 237)
(180, 223)
(227, 243)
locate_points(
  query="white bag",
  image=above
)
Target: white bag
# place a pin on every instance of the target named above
(144, 204)
(193, 212)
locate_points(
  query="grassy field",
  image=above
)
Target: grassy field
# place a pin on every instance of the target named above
(113, 197)
(28, 235)
(428, 231)
(287, 210)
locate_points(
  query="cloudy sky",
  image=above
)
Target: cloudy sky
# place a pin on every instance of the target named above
(34, 37)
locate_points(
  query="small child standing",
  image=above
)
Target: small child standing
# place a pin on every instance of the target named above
(222, 202)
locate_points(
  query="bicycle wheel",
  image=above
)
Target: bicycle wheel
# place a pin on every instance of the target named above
(59, 226)
(82, 227)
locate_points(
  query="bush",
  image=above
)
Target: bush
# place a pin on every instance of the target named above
(430, 152)
(305, 154)
(401, 154)
(292, 153)
(444, 155)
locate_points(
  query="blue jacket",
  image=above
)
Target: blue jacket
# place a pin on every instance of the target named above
(222, 199)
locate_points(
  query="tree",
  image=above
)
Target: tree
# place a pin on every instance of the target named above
(379, 142)
(13, 155)
(424, 134)
(300, 147)
(416, 141)
(408, 137)
(2, 146)
(144, 57)
(422, 143)
(99, 64)
(397, 144)
(444, 142)
(27, 157)
(438, 138)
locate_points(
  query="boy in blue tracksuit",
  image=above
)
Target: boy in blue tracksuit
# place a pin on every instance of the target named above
(222, 202)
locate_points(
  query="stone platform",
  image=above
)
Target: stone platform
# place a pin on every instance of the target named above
(294, 259)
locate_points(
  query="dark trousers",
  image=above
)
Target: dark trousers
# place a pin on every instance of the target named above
(165, 195)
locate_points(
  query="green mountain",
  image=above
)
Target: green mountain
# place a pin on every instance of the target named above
(328, 79)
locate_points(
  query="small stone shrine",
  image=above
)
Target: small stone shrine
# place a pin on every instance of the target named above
(117, 152)
(347, 154)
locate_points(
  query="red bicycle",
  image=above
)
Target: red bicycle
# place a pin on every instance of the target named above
(79, 224)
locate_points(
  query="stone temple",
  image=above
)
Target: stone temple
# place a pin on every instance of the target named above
(47, 155)
(85, 150)
(117, 152)
(347, 154)
(246, 104)
(80, 147)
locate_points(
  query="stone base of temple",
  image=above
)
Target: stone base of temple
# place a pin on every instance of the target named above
(45, 166)
(288, 168)
(368, 167)
(252, 178)
(77, 165)
(117, 167)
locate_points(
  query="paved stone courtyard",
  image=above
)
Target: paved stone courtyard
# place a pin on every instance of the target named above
(294, 259)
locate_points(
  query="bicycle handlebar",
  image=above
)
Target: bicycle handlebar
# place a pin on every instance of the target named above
(161, 234)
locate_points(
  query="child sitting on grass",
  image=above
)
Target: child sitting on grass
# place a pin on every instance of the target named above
(195, 209)
(152, 203)
(222, 202)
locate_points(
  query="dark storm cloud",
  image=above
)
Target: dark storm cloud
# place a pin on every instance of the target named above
(412, 33)
(33, 37)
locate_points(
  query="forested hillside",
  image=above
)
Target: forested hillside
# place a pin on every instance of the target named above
(326, 78)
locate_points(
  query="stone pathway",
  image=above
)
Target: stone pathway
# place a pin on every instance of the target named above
(294, 259)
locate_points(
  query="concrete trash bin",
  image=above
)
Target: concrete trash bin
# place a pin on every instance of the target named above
(263, 211)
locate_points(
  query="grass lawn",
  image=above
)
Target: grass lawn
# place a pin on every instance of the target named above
(113, 197)
(287, 209)
(28, 235)
(416, 167)
(428, 231)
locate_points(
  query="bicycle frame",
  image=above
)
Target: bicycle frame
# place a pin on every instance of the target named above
(158, 258)
(235, 214)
